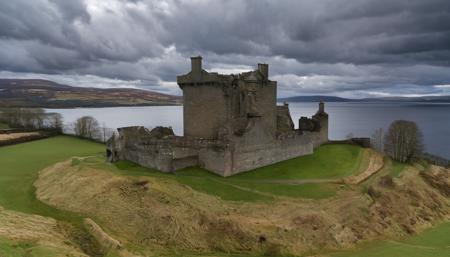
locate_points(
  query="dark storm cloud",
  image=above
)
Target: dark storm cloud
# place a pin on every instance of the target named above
(346, 47)
(332, 31)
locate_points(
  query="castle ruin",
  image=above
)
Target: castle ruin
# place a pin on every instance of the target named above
(231, 124)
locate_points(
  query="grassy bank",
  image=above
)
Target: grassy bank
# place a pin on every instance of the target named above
(20, 164)
(291, 178)
(431, 243)
(10, 248)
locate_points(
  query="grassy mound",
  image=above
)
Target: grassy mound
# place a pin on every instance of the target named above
(163, 212)
(19, 168)
(14, 249)
(431, 243)
(196, 213)
(302, 177)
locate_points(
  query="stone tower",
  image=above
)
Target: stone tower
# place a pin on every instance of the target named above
(231, 124)
(214, 103)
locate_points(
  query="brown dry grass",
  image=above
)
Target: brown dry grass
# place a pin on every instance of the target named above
(13, 136)
(375, 164)
(159, 214)
(37, 230)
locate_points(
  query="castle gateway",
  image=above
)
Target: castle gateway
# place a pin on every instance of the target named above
(231, 124)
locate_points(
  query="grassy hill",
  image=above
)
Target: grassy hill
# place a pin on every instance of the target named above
(48, 94)
(299, 206)
(430, 243)
(325, 98)
(289, 178)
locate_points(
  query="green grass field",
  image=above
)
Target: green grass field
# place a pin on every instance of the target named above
(264, 184)
(328, 161)
(434, 242)
(20, 164)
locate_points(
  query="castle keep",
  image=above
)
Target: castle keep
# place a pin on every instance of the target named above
(231, 124)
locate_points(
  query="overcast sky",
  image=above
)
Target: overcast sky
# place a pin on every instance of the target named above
(349, 48)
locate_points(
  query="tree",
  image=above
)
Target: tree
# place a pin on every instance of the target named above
(34, 118)
(106, 132)
(12, 116)
(403, 141)
(87, 127)
(376, 140)
(55, 121)
(24, 117)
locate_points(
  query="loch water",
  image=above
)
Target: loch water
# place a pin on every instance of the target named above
(360, 119)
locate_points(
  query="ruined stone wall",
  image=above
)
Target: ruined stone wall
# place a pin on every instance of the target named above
(321, 137)
(231, 124)
(154, 156)
(266, 104)
(250, 158)
(204, 111)
(234, 159)
(218, 161)
(284, 119)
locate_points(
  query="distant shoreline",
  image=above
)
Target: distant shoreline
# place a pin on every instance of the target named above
(422, 104)
(72, 105)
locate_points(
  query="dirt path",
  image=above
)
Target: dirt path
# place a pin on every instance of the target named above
(376, 163)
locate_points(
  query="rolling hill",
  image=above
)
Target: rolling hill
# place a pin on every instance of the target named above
(48, 94)
(318, 98)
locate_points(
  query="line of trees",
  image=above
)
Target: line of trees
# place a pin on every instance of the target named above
(403, 141)
(31, 118)
(38, 119)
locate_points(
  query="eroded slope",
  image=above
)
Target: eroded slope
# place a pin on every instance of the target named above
(157, 213)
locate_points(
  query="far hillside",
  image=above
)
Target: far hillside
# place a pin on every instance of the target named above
(326, 98)
(48, 94)
(316, 98)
